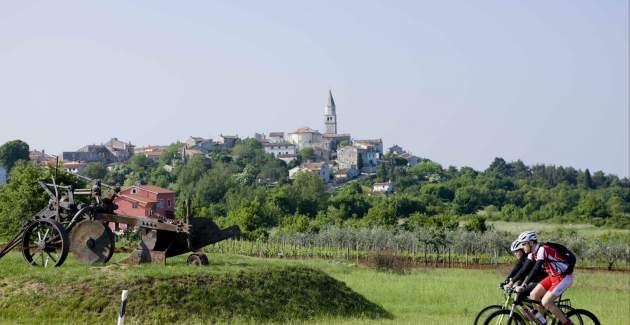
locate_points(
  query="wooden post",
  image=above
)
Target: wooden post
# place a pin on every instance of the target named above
(123, 306)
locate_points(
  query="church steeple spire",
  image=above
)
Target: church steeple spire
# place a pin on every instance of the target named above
(330, 115)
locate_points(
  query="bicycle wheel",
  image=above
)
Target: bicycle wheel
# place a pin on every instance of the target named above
(565, 309)
(485, 312)
(582, 317)
(502, 316)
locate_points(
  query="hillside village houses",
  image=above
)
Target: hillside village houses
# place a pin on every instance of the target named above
(202, 146)
(112, 151)
(42, 158)
(337, 156)
(151, 152)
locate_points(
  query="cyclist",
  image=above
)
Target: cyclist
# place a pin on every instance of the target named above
(558, 262)
(521, 269)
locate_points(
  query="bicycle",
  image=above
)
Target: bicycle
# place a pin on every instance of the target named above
(564, 304)
(519, 313)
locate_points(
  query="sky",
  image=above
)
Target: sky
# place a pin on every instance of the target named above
(458, 82)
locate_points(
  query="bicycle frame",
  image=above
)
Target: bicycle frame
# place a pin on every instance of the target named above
(511, 303)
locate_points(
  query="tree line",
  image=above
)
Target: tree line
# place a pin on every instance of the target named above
(250, 188)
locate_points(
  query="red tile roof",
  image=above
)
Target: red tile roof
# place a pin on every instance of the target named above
(155, 189)
(151, 188)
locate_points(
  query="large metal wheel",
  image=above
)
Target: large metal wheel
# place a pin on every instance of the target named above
(45, 243)
(197, 259)
(92, 242)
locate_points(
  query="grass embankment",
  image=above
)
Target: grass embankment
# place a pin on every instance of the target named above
(423, 296)
(230, 290)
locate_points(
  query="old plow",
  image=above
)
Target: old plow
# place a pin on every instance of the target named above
(85, 230)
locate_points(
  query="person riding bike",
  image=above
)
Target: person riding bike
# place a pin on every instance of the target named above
(521, 269)
(558, 263)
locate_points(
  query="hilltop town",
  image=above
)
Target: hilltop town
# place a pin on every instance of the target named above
(336, 157)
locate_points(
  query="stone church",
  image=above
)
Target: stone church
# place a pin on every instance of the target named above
(324, 145)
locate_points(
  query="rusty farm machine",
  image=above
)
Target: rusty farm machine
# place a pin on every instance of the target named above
(65, 225)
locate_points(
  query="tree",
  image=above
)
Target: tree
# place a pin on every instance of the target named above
(350, 201)
(12, 151)
(476, 224)
(381, 172)
(22, 197)
(307, 153)
(427, 171)
(586, 179)
(500, 167)
(421, 221)
(308, 191)
(383, 214)
(171, 153)
(468, 199)
(95, 170)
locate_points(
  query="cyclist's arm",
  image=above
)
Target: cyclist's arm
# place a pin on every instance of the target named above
(532, 272)
(517, 267)
(525, 269)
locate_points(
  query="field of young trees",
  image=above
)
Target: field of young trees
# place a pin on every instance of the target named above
(250, 188)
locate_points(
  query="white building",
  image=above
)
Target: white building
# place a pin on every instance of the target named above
(3, 175)
(320, 168)
(305, 138)
(385, 188)
(74, 167)
(276, 137)
(279, 149)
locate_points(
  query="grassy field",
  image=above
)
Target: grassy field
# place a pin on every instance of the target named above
(585, 230)
(277, 287)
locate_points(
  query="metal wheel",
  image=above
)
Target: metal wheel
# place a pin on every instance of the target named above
(197, 259)
(582, 317)
(45, 243)
(92, 242)
(485, 312)
(502, 316)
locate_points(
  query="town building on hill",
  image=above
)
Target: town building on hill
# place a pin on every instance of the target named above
(364, 159)
(278, 149)
(151, 152)
(227, 141)
(146, 201)
(74, 167)
(322, 169)
(305, 137)
(342, 175)
(395, 149)
(200, 144)
(276, 137)
(375, 145)
(383, 188)
(42, 158)
(330, 115)
(412, 160)
(110, 152)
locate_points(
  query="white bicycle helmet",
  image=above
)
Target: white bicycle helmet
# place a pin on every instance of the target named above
(527, 236)
(516, 245)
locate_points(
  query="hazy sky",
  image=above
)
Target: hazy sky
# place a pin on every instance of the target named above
(459, 82)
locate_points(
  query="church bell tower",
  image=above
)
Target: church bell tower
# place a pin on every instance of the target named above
(330, 115)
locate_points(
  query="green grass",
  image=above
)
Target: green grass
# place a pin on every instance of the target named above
(231, 289)
(585, 230)
(281, 291)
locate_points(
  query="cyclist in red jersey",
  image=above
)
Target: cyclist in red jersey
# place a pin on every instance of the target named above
(559, 266)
